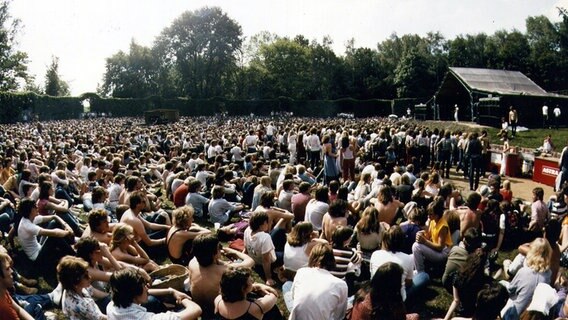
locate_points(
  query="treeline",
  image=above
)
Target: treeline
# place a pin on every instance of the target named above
(203, 54)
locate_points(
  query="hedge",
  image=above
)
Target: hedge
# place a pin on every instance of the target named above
(16, 105)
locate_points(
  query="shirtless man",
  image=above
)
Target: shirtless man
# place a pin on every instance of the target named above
(99, 227)
(132, 218)
(469, 216)
(206, 269)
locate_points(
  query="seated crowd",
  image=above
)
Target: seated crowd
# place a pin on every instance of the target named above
(351, 219)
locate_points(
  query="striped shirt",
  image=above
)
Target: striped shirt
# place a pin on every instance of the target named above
(345, 261)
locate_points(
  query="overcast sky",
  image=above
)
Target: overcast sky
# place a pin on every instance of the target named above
(83, 33)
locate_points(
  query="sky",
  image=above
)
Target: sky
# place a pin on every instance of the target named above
(83, 33)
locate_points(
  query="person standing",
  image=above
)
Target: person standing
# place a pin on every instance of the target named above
(557, 113)
(544, 116)
(563, 165)
(456, 112)
(513, 120)
(473, 153)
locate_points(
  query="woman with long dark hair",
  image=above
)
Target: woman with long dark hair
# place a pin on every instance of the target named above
(382, 298)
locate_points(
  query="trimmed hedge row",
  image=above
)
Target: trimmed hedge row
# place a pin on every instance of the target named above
(15, 106)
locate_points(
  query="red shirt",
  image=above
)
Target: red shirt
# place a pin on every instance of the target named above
(180, 194)
(7, 311)
(507, 195)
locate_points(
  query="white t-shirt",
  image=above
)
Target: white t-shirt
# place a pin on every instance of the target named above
(315, 211)
(135, 311)
(27, 233)
(405, 261)
(295, 257)
(259, 244)
(314, 143)
(236, 152)
(317, 294)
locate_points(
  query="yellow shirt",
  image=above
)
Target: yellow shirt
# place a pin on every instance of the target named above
(435, 228)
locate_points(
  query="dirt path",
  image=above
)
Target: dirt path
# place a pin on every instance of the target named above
(522, 188)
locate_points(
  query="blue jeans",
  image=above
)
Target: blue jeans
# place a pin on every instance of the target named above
(287, 294)
(419, 282)
(36, 304)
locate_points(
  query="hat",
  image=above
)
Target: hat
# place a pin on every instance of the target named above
(544, 298)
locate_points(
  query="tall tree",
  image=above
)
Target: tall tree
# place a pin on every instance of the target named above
(413, 76)
(201, 45)
(13, 63)
(545, 61)
(288, 68)
(131, 75)
(54, 85)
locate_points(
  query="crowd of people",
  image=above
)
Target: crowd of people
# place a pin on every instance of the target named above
(348, 218)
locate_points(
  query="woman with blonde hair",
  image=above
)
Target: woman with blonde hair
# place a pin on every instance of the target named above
(260, 189)
(125, 248)
(535, 271)
(180, 237)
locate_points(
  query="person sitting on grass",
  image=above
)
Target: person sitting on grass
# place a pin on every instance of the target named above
(99, 226)
(129, 290)
(220, 210)
(334, 218)
(206, 269)
(381, 298)
(58, 233)
(181, 235)
(9, 308)
(139, 225)
(125, 248)
(347, 260)
(260, 247)
(233, 302)
(315, 292)
(78, 302)
(301, 241)
(433, 246)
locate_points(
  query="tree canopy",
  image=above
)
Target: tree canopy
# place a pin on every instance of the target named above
(203, 54)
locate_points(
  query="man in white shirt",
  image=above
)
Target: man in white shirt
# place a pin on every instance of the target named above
(544, 116)
(250, 141)
(557, 113)
(270, 131)
(314, 146)
(315, 293)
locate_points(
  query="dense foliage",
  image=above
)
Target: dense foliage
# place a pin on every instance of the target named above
(202, 54)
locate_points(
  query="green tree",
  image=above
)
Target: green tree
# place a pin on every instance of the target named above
(545, 60)
(286, 64)
(467, 51)
(54, 85)
(413, 76)
(13, 63)
(201, 46)
(131, 75)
